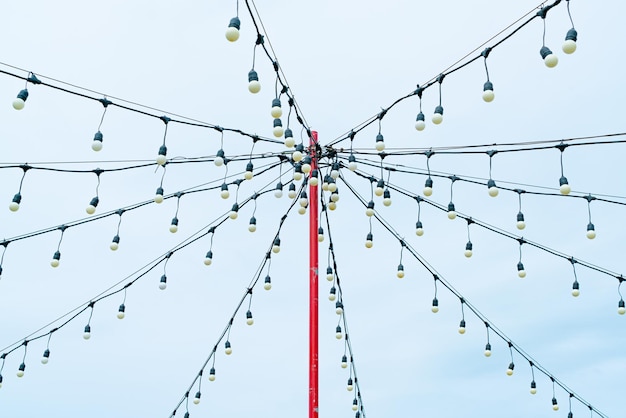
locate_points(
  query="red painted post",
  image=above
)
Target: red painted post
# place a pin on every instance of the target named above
(313, 286)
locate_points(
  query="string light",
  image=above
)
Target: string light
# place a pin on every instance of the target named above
(420, 120)
(564, 186)
(14, 206)
(93, 204)
(491, 184)
(400, 272)
(591, 229)
(96, 145)
(487, 351)
(451, 208)
(509, 370)
(87, 330)
(419, 227)
(521, 272)
(521, 224)
(555, 404)
(435, 305)
(253, 78)
(488, 94)
(22, 368)
(380, 140)
(163, 280)
(569, 46)
(533, 385)
(462, 323)
(575, 285)
(22, 96)
(198, 395)
(548, 57)
(162, 156)
(232, 32)
(45, 358)
(438, 115)
(621, 307)
(56, 258)
(468, 247)
(121, 312)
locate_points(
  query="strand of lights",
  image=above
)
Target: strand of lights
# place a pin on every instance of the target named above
(109, 292)
(489, 325)
(274, 248)
(336, 295)
(464, 62)
(125, 104)
(491, 228)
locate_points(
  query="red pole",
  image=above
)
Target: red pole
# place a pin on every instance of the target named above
(313, 286)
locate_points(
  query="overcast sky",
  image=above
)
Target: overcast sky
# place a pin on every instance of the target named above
(344, 61)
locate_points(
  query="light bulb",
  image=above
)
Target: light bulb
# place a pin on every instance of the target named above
(163, 282)
(219, 158)
(158, 197)
(333, 294)
(435, 306)
(234, 212)
(370, 208)
(276, 246)
(468, 249)
(46, 357)
(344, 362)
(224, 193)
(387, 197)
(488, 94)
(338, 308)
(20, 101)
(252, 225)
(352, 165)
(462, 327)
(350, 385)
(121, 312)
(355, 405)
(278, 129)
(278, 192)
(420, 123)
(292, 191)
(253, 82)
(20, 370)
(297, 155)
(302, 210)
(380, 188)
(15, 203)
(569, 46)
(56, 258)
(520, 221)
(212, 374)
(249, 171)
(232, 32)
(338, 333)
(174, 225)
(329, 274)
(96, 145)
(533, 388)
(555, 405)
(621, 308)
(332, 186)
(289, 141)
(87, 332)
(493, 190)
(161, 159)
(576, 289)
(332, 205)
(249, 319)
(268, 283)
(438, 115)
(334, 172)
(451, 211)
(196, 399)
(487, 350)
(400, 272)
(227, 348)
(208, 259)
(277, 110)
(369, 241)
(591, 231)
(520, 270)
(549, 58)
(380, 142)
(428, 187)
(419, 228)
(91, 208)
(564, 186)
(306, 164)
(509, 371)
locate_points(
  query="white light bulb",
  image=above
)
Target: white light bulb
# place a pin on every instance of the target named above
(591, 234)
(509, 372)
(161, 159)
(276, 112)
(575, 292)
(267, 286)
(352, 166)
(162, 286)
(369, 212)
(451, 215)
(314, 181)
(488, 96)
(569, 46)
(14, 206)
(252, 228)
(493, 191)
(291, 194)
(232, 34)
(565, 189)
(437, 118)
(306, 168)
(275, 249)
(44, 360)
(96, 145)
(332, 187)
(297, 156)
(18, 104)
(254, 87)
(332, 205)
(225, 194)
(196, 401)
(379, 191)
(387, 201)
(212, 377)
(369, 244)
(248, 175)
(551, 61)
(297, 176)
(173, 229)
(114, 246)
(250, 321)
(278, 193)
(233, 215)
(434, 309)
(332, 297)
(521, 274)
(301, 210)
(419, 232)
(87, 335)
(621, 310)
(461, 330)
(91, 209)
(339, 335)
(380, 146)
(533, 391)
(487, 353)
(400, 274)
(420, 125)
(468, 253)
(555, 407)
(278, 131)
(290, 142)
(54, 263)
(334, 197)
(208, 261)
(218, 161)
(521, 225)
(158, 198)
(428, 191)
(228, 351)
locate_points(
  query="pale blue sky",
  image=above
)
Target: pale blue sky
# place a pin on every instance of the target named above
(344, 61)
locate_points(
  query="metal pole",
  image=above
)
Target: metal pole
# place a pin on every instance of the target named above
(313, 286)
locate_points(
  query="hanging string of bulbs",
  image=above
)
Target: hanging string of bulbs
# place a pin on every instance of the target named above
(550, 59)
(490, 327)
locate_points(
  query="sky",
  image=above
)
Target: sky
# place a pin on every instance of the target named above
(344, 62)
